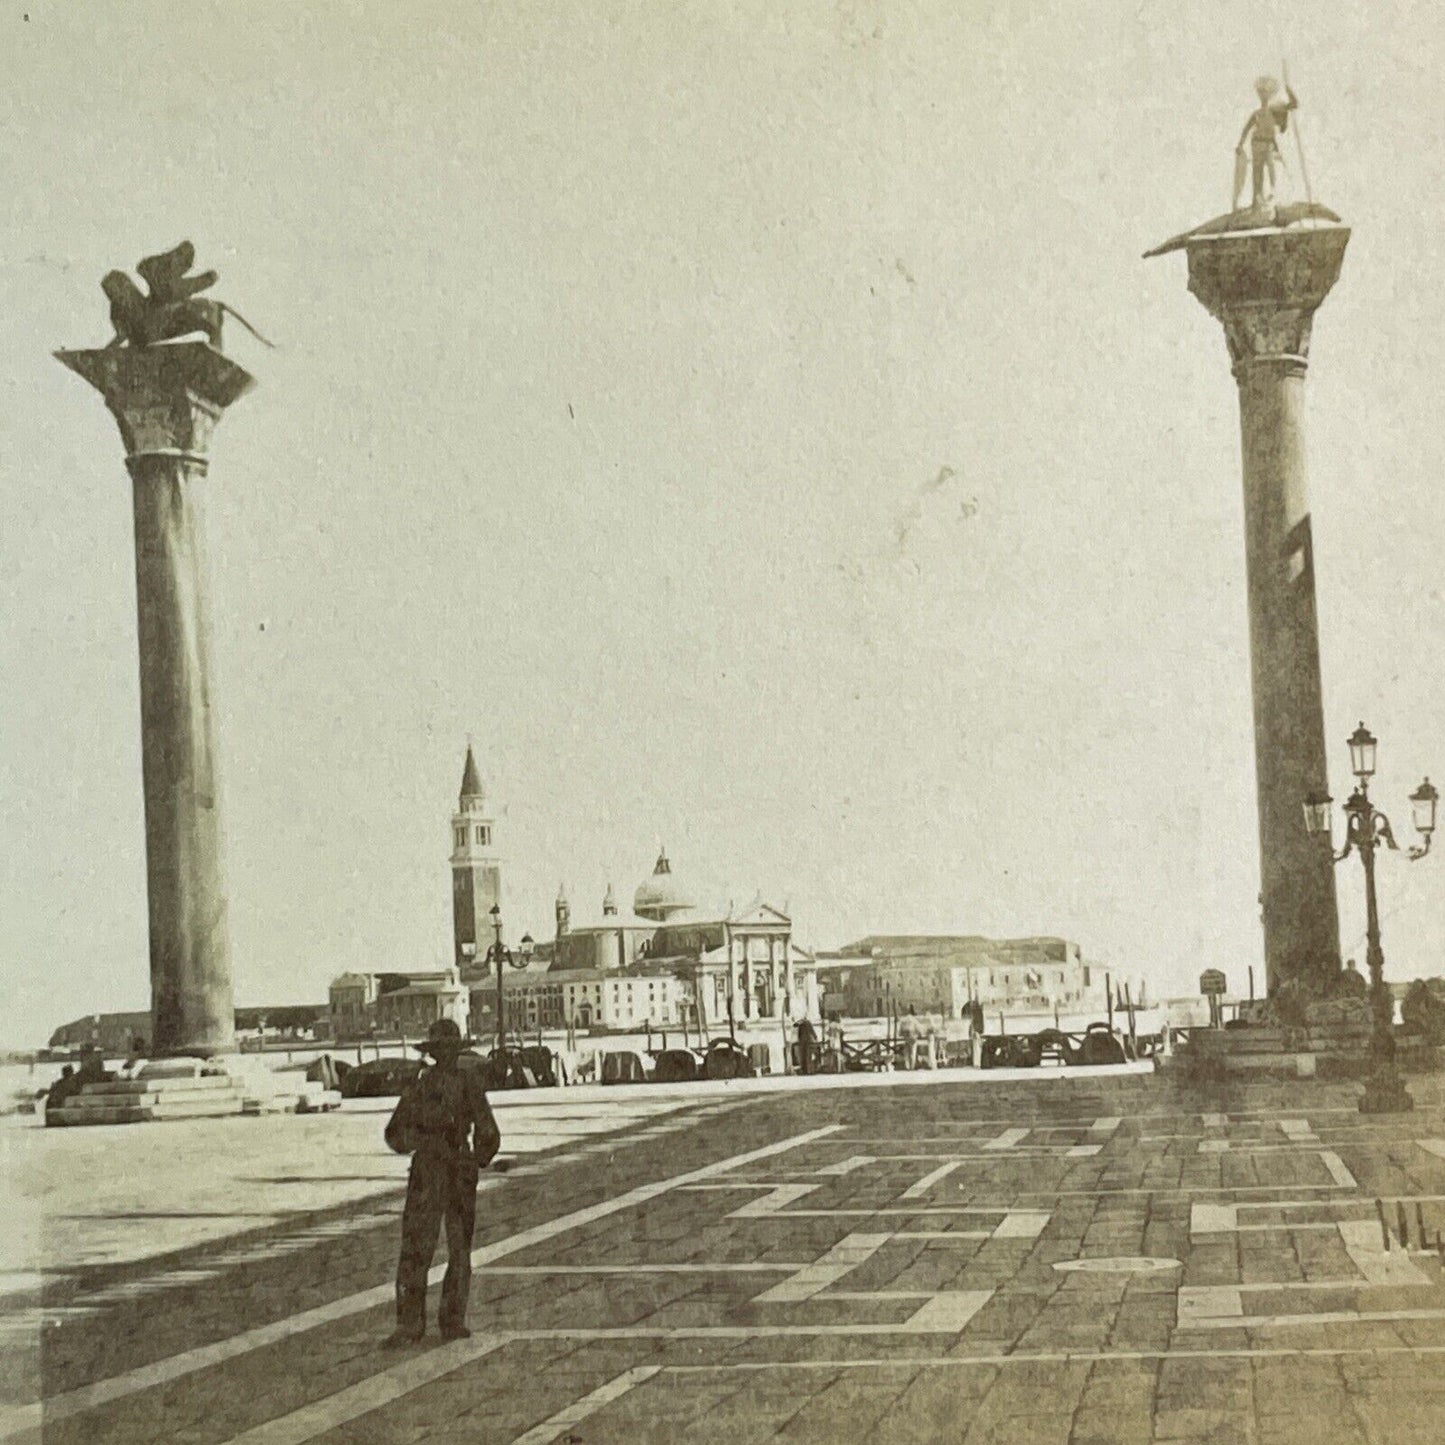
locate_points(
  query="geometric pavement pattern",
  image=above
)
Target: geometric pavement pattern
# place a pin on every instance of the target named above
(1087, 1263)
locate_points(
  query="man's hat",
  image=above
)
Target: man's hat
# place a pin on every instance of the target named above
(443, 1034)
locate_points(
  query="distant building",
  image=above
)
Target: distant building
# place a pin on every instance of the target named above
(942, 974)
(661, 897)
(395, 1005)
(625, 972)
(352, 999)
(613, 940)
(118, 1033)
(585, 998)
(667, 961)
(112, 1034)
(745, 966)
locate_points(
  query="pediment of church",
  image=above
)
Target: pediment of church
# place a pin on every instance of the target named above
(760, 915)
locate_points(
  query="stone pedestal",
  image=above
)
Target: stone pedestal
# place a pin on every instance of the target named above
(1264, 286)
(166, 400)
(190, 1089)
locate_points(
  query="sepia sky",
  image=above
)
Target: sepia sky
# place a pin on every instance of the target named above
(754, 423)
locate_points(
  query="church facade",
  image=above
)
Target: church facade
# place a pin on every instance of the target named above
(665, 963)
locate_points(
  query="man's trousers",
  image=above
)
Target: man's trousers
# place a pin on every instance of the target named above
(442, 1186)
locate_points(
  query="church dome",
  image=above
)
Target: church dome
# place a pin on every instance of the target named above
(661, 896)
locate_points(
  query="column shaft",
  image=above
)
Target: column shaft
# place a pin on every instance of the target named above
(190, 959)
(1297, 881)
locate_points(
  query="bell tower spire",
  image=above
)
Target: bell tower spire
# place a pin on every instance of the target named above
(471, 779)
(476, 872)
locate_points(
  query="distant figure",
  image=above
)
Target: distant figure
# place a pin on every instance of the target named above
(444, 1122)
(1262, 130)
(807, 1042)
(66, 1085)
(908, 1034)
(92, 1070)
(92, 1066)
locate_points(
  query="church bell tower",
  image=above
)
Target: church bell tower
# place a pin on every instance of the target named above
(476, 874)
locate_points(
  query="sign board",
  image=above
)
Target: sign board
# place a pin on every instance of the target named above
(1211, 981)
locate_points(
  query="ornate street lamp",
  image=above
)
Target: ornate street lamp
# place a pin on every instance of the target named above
(504, 956)
(1365, 829)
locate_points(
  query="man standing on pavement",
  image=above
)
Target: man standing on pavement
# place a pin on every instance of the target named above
(444, 1122)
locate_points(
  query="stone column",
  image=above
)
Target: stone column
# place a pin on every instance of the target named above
(732, 994)
(749, 1001)
(166, 400)
(1264, 286)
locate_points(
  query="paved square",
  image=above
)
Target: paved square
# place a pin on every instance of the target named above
(1070, 1260)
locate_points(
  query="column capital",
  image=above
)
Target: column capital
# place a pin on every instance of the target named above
(1264, 287)
(166, 399)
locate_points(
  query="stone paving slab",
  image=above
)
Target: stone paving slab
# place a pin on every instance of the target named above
(803, 1267)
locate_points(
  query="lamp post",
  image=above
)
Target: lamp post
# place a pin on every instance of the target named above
(1365, 829)
(501, 956)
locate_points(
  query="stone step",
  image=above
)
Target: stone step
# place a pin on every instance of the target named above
(183, 1083)
(120, 1114)
(270, 1104)
(127, 1111)
(151, 1099)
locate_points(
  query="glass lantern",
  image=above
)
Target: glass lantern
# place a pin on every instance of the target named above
(1362, 752)
(1317, 814)
(1422, 803)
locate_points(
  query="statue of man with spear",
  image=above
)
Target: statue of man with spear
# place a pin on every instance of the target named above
(1262, 131)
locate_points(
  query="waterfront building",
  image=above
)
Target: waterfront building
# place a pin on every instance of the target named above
(886, 974)
(395, 1005)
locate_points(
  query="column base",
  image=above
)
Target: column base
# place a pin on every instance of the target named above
(174, 1089)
